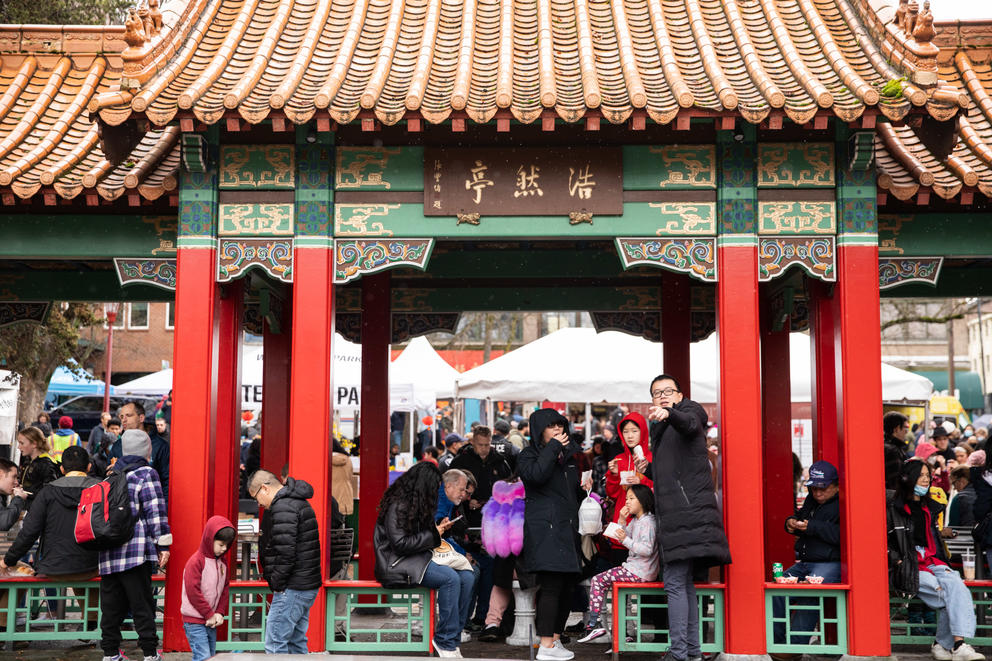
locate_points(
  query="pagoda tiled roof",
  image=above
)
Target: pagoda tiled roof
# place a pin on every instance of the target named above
(48, 141)
(913, 158)
(525, 59)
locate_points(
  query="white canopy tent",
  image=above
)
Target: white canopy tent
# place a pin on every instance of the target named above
(581, 365)
(421, 364)
(405, 394)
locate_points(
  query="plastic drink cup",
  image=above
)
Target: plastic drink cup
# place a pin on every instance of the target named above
(968, 565)
(638, 452)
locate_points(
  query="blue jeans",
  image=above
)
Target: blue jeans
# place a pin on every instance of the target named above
(454, 596)
(944, 591)
(202, 640)
(803, 620)
(289, 615)
(485, 583)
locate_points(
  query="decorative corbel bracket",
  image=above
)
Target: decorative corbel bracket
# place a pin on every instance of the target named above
(154, 271)
(695, 256)
(895, 271)
(354, 258)
(814, 254)
(21, 312)
(272, 255)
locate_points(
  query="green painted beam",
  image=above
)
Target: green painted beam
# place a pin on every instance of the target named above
(74, 286)
(541, 264)
(935, 235)
(407, 220)
(953, 283)
(580, 297)
(28, 236)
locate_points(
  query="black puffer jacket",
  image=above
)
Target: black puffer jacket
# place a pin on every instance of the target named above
(551, 511)
(400, 558)
(53, 518)
(983, 500)
(289, 543)
(690, 525)
(37, 474)
(820, 542)
(895, 456)
(487, 472)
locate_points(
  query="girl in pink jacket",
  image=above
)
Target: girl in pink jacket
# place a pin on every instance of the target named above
(205, 586)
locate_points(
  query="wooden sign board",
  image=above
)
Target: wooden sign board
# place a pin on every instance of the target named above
(523, 182)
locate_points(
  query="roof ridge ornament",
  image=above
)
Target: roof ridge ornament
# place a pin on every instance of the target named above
(918, 31)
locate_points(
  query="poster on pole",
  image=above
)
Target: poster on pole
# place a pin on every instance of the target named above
(9, 386)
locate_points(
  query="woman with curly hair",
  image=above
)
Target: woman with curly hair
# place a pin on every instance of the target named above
(405, 539)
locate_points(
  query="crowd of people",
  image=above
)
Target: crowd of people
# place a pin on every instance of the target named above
(936, 480)
(511, 504)
(533, 502)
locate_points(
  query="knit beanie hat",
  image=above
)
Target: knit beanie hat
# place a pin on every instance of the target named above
(65, 422)
(136, 442)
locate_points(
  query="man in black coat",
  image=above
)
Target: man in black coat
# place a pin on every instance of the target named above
(896, 428)
(289, 552)
(817, 529)
(690, 525)
(486, 466)
(53, 518)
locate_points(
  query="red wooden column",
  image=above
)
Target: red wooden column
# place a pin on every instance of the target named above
(776, 412)
(193, 386)
(823, 331)
(277, 361)
(224, 455)
(676, 327)
(374, 478)
(740, 429)
(862, 477)
(310, 400)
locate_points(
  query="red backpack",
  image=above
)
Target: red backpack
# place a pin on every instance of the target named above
(103, 518)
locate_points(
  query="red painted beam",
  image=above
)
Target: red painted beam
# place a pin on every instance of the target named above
(310, 412)
(740, 426)
(225, 454)
(277, 348)
(861, 468)
(676, 327)
(823, 326)
(776, 412)
(376, 334)
(192, 424)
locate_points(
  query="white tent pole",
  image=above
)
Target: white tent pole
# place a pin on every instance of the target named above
(588, 421)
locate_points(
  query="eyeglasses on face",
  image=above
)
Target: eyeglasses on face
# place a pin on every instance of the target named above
(666, 392)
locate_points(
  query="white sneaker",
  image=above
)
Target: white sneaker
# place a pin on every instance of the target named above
(556, 652)
(939, 652)
(466, 637)
(593, 634)
(965, 652)
(448, 654)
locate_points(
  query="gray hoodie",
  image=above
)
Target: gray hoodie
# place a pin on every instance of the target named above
(643, 558)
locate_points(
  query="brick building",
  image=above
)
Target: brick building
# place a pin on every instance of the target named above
(142, 341)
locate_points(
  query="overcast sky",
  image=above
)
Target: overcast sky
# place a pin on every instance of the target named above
(946, 10)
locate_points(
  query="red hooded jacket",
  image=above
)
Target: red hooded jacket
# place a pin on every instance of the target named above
(206, 578)
(625, 462)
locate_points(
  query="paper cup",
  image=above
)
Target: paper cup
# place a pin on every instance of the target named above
(638, 452)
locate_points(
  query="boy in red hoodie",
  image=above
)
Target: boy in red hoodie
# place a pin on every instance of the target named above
(622, 473)
(205, 586)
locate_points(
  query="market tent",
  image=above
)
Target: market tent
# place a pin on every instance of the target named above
(155, 384)
(66, 381)
(419, 363)
(581, 365)
(347, 377)
(968, 384)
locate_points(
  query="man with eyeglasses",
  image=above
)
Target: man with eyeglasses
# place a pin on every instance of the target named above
(289, 552)
(690, 527)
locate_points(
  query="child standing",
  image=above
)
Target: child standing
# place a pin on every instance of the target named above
(641, 565)
(205, 586)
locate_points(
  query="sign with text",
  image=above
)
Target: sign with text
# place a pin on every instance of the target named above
(523, 182)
